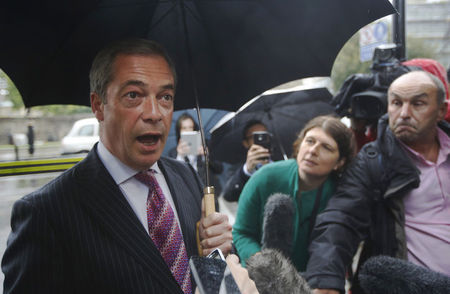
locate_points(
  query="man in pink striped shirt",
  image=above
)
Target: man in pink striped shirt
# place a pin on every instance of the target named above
(413, 113)
(396, 195)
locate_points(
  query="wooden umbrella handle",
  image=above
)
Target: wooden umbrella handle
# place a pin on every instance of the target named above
(210, 206)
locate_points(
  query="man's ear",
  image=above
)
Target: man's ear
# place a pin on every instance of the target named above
(97, 106)
(443, 110)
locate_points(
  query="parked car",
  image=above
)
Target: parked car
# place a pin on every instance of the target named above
(81, 138)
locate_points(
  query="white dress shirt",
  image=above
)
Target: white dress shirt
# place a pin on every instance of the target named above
(134, 191)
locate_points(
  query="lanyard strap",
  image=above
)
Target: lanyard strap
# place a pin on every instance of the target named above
(312, 219)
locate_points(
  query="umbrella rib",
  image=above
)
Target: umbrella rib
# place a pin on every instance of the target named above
(152, 25)
(198, 17)
(208, 34)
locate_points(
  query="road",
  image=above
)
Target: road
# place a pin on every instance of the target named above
(42, 150)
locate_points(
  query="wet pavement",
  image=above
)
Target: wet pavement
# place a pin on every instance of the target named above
(7, 152)
(11, 189)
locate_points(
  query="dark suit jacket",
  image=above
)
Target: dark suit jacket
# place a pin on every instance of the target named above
(78, 234)
(235, 184)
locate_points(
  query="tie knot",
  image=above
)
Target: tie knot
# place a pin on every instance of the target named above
(146, 177)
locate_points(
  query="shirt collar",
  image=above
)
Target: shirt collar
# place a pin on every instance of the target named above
(119, 171)
(444, 147)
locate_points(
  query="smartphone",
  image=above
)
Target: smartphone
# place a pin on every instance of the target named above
(212, 275)
(263, 139)
(193, 139)
(217, 254)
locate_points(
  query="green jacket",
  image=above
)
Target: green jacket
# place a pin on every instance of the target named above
(277, 177)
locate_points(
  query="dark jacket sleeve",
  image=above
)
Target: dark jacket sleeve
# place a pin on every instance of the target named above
(235, 184)
(32, 262)
(340, 228)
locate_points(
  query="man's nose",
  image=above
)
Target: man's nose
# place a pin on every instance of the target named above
(151, 109)
(405, 110)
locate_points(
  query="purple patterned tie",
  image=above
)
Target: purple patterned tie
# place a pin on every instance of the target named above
(165, 232)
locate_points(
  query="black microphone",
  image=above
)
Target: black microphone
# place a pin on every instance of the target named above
(278, 224)
(386, 275)
(273, 273)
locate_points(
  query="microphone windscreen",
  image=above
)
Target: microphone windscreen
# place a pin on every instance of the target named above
(386, 275)
(278, 223)
(275, 274)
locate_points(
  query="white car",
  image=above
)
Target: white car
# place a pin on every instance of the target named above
(82, 136)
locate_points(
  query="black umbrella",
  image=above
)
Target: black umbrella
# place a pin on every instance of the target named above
(284, 114)
(227, 51)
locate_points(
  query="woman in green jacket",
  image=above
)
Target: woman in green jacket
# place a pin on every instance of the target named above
(323, 148)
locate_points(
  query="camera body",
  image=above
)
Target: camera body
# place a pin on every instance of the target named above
(364, 96)
(263, 139)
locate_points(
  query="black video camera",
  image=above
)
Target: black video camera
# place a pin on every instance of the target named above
(364, 96)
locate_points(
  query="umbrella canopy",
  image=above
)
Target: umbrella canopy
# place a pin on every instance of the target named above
(284, 114)
(227, 51)
(210, 118)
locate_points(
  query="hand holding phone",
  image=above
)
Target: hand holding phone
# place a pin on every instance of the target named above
(212, 275)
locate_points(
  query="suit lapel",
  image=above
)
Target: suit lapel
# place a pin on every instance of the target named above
(105, 202)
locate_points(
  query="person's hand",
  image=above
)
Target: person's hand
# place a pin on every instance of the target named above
(256, 155)
(215, 232)
(240, 275)
(200, 150)
(183, 148)
(325, 291)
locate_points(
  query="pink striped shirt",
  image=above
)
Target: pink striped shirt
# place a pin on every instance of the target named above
(427, 211)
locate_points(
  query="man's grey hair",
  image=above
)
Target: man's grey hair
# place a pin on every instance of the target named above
(440, 88)
(440, 93)
(102, 74)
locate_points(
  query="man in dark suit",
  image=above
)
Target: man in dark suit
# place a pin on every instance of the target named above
(94, 228)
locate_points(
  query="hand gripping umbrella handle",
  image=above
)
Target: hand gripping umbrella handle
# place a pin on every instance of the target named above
(210, 207)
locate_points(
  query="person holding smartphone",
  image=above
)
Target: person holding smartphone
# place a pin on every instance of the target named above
(257, 156)
(186, 124)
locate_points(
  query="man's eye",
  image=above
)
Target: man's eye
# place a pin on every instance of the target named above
(132, 95)
(167, 97)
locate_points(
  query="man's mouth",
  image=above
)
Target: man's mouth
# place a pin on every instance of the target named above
(404, 126)
(149, 139)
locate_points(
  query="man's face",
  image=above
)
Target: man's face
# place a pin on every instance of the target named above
(135, 121)
(249, 135)
(413, 107)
